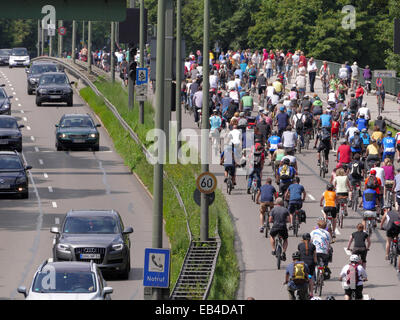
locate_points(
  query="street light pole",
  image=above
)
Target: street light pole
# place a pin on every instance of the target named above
(60, 39)
(131, 100)
(159, 124)
(73, 40)
(112, 49)
(205, 124)
(38, 42)
(141, 48)
(178, 69)
(89, 58)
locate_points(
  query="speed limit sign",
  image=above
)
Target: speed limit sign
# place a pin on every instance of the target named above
(206, 183)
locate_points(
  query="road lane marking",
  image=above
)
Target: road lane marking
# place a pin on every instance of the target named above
(16, 99)
(25, 119)
(46, 175)
(365, 297)
(36, 149)
(50, 189)
(32, 138)
(14, 93)
(348, 252)
(28, 128)
(41, 162)
(19, 105)
(57, 220)
(311, 196)
(337, 231)
(54, 204)
(22, 111)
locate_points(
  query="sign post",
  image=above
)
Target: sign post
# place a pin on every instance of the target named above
(156, 268)
(142, 80)
(379, 82)
(384, 73)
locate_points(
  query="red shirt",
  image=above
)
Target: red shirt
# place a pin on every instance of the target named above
(303, 59)
(345, 153)
(335, 127)
(359, 92)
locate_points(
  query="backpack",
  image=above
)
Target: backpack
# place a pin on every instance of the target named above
(355, 170)
(372, 182)
(356, 142)
(299, 273)
(352, 275)
(326, 135)
(299, 123)
(309, 120)
(257, 159)
(253, 72)
(285, 172)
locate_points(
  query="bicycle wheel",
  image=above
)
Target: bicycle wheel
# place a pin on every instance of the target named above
(341, 216)
(354, 204)
(296, 225)
(324, 170)
(320, 285)
(278, 252)
(299, 146)
(306, 141)
(317, 281)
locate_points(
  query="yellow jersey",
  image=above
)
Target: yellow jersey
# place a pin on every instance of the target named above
(372, 149)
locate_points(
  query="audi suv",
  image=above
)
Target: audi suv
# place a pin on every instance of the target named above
(36, 70)
(13, 174)
(97, 235)
(10, 134)
(5, 56)
(54, 87)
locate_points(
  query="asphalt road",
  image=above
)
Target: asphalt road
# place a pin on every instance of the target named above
(259, 277)
(60, 181)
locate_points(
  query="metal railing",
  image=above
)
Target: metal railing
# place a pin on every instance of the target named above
(392, 85)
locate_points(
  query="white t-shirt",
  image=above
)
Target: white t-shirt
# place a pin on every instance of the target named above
(380, 173)
(364, 111)
(286, 103)
(236, 56)
(236, 136)
(268, 64)
(332, 97)
(350, 131)
(296, 59)
(270, 91)
(354, 68)
(289, 139)
(274, 99)
(232, 85)
(234, 96)
(312, 67)
(301, 81)
(214, 81)
(321, 240)
(343, 73)
(292, 159)
(362, 274)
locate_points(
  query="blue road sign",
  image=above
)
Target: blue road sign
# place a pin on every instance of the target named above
(142, 76)
(156, 268)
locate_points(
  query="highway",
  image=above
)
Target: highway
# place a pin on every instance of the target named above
(259, 277)
(60, 181)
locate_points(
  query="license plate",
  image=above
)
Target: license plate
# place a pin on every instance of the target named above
(3, 141)
(55, 97)
(90, 256)
(79, 141)
(5, 186)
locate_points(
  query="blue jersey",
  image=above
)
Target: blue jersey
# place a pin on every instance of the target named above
(365, 138)
(361, 124)
(369, 199)
(389, 144)
(274, 141)
(326, 120)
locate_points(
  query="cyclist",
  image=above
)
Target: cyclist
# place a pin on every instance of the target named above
(324, 74)
(396, 188)
(229, 159)
(335, 128)
(355, 144)
(360, 248)
(277, 158)
(392, 228)
(325, 121)
(308, 254)
(343, 154)
(285, 176)
(353, 275)
(356, 173)
(388, 168)
(272, 144)
(373, 183)
(324, 136)
(389, 146)
(317, 108)
(293, 161)
(296, 278)
(372, 154)
(330, 206)
(381, 92)
(321, 239)
(256, 166)
(279, 217)
(289, 139)
(366, 139)
(296, 195)
(282, 120)
(267, 193)
(298, 120)
(246, 103)
(342, 187)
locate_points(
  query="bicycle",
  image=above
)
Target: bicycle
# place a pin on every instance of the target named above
(380, 103)
(254, 188)
(323, 167)
(267, 226)
(393, 253)
(296, 222)
(319, 276)
(334, 141)
(389, 196)
(307, 137)
(342, 210)
(279, 251)
(229, 183)
(371, 221)
(355, 195)
(299, 143)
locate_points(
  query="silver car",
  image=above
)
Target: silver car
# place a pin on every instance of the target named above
(67, 281)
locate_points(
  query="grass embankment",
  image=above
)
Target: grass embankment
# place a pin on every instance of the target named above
(226, 278)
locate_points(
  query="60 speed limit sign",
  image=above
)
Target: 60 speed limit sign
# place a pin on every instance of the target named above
(206, 183)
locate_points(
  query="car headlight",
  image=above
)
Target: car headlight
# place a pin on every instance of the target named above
(6, 106)
(33, 80)
(93, 135)
(20, 180)
(17, 136)
(118, 246)
(63, 247)
(67, 91)
(42, 91)
(63, 135)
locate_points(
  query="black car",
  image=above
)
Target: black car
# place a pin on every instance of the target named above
(13, 175)
(77, 131)
(97, 235)
(5, 101)
(5, 56)
(54, 87)
(10, 134)
(36, 70)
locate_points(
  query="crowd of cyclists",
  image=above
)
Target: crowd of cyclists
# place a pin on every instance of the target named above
(265, 94)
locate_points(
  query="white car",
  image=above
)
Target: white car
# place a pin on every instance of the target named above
(19, 57)
(67, 281)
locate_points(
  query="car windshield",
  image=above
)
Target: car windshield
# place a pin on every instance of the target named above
(19, 52)
(8, 163)
(37, 69)
(54, 79)
(8, 123)
(5, 52)
(2, 94)
(93, 224)
(77, 122)
(64, 282)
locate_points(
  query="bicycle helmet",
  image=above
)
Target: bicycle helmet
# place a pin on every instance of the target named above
(389, 133)
(364, 130)
(330, 186)
(286, 161)
(354, 258)
(296, 255)
(373, 172)
(315, 298)
(330, 298)
(306, 236)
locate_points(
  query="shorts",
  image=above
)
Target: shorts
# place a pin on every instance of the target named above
(342, 194)
(323, 147)
(358, 290)
(282, 232)
(230, 169)
(294, 205)
(392, 232)
(362, 252)
(261, 89)
(398, 147)
(331, 211)
(264, 206)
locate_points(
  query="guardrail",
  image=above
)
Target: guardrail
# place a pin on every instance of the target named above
(392, 85)
(195, 245)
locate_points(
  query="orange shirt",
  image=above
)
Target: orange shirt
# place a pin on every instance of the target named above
(330, 198)
(379, 182)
